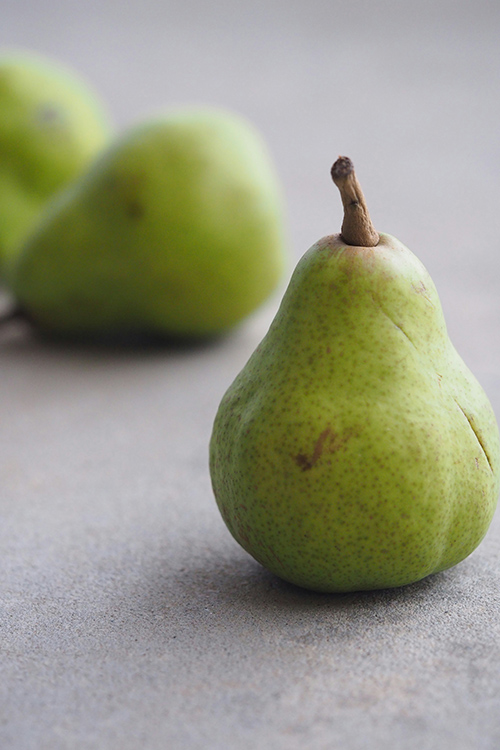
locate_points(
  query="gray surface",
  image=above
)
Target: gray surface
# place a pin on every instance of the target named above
(129, 617)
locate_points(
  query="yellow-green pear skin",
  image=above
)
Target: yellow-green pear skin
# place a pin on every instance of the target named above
(355, 450)
(51, 126)
(176, 230)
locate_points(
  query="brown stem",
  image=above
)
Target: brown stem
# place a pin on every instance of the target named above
(357, 227)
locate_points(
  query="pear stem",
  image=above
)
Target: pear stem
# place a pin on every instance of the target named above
(357, 227)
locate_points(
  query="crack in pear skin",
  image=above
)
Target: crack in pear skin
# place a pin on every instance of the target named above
(476, 434)
(384, 312)
(401, 329)
(478, 438)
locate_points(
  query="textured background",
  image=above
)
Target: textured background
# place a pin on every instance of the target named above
(129, 617)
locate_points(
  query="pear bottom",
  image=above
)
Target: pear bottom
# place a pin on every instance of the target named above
(337, 510)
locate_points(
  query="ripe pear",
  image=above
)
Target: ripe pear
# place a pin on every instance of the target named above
(176, 230)
(51, 127)
(355, 450)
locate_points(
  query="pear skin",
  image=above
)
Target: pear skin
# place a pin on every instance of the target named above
(176, 230)
(51, 127)
(355, 450)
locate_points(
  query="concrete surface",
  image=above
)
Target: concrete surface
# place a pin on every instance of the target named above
(129, 617)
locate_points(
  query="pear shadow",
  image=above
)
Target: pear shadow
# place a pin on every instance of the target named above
(20, 339)
(229, 579)
(241, 597)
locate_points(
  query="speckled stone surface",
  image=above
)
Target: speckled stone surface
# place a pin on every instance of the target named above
(129, 617)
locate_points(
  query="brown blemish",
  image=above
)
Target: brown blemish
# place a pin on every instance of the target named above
(328, 441)
(127, 189)
(421, 289)
(134, 209)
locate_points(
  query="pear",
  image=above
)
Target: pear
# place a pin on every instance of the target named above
(176, 230)
(355, 450)
(51, 127)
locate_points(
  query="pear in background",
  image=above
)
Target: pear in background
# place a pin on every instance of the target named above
(176, 230)
(51, 126)
(355, 450)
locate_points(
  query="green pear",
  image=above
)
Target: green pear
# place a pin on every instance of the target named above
(176, 230)
(355, 450)
(51, 127)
